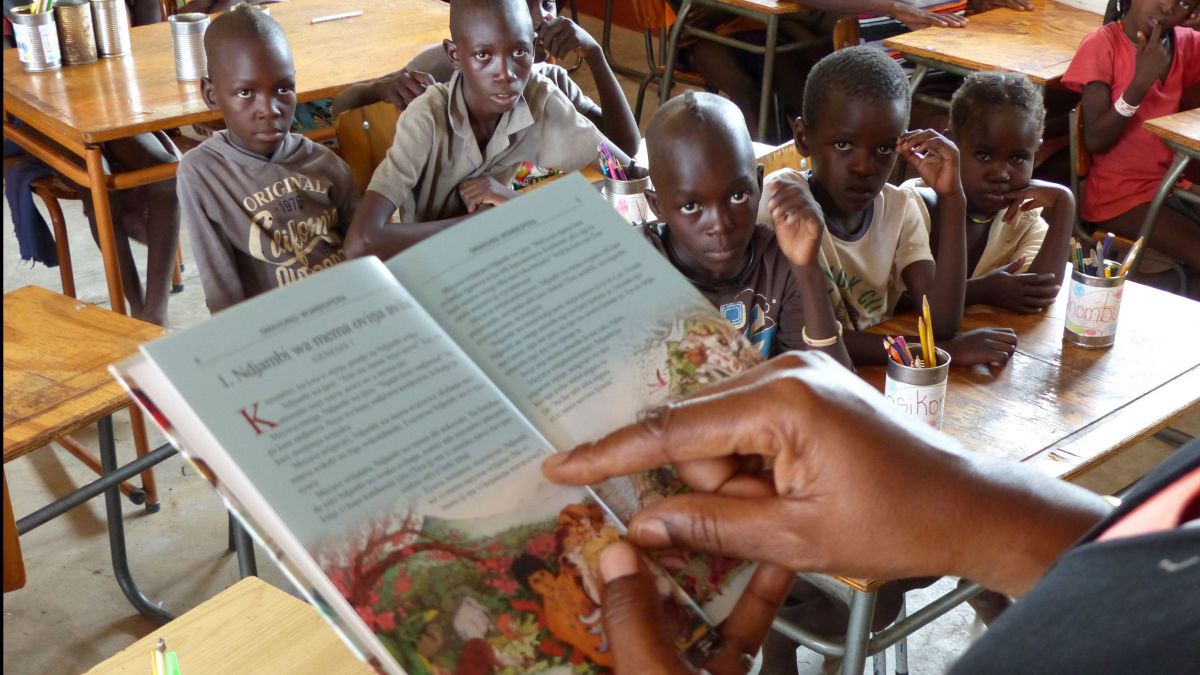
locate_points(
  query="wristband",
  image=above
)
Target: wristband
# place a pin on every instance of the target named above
(1124, 109)
(826, 342)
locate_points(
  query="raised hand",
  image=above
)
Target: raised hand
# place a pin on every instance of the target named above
(934, 157)
(400, 88)
(1153, 57)
(561, 36)
(799, 222)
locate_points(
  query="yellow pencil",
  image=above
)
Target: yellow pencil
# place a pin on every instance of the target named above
(931, 359)
(924, 340)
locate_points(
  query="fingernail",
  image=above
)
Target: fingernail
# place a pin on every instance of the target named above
(652, 532)
(618, 560)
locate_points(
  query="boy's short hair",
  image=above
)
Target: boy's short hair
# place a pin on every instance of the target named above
(461, 9)
(242, 23)
(983, 91)
(695, 110)
(858, 74)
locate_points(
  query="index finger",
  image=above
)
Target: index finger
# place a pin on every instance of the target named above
(732, 418)
(703, 428)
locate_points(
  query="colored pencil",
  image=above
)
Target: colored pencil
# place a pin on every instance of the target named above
(904, 346)
(335, 17)
(1108, 240)
(1130, 257)
(895, 346)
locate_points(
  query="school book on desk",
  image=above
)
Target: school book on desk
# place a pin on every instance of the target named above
(379, 428)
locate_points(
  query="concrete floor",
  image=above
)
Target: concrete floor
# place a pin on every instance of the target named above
(71, 615)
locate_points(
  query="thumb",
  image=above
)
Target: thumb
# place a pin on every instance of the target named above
(633, 615)
(1016, 265)
(424, 78)
(744, 529)
(1155, 34)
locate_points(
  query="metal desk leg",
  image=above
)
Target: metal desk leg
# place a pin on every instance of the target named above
(673, 51)
(902, 645)
(244, 545)
(1173, 173)
(768, 82)
(858, 632)
(104, 226)
(917, 76)
(116, 529)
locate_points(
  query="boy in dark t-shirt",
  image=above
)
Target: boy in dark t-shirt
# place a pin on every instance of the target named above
(264, 207)
(707, 188)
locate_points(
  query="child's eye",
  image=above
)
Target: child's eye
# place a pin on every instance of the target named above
(885, 149)
(481, 56)
(841, 146)
(283, 91)
(243, 93)
(690, 208)
(520, 53)
(983, 156)
(1016, 161)
(739, 197)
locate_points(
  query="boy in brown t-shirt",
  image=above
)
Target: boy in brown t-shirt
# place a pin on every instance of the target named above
(707, 189)
(263, 206)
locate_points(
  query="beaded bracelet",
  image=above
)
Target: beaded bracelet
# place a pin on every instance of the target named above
(1124, 109)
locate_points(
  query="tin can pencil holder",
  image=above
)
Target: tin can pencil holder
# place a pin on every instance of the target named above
(187, 35)
(75, 33)
(628, 196)
(919, 392)
(1093, 304)
(111, 19)
(36, 38)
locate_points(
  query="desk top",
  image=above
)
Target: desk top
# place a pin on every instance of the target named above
(56, 356)
(1182, 128)
(250, 627)
(1063, 408)
(767, 6)
(120, 97)
(1038, 44)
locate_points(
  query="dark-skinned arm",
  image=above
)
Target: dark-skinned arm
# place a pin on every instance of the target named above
(1102, 124)
(371, 234)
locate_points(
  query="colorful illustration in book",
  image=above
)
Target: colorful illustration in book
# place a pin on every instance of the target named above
(512, 593)
(694, 350)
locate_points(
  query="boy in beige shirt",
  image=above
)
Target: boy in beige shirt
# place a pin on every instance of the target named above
(459, 145)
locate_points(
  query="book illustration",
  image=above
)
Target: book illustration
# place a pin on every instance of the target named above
(511, 593)
(693, 350)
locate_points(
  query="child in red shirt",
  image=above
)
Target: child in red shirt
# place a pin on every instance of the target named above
(1132, 70)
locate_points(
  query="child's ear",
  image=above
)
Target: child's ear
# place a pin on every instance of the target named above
(800, 135)
(206, 92)
(652, 201)
(451, 52)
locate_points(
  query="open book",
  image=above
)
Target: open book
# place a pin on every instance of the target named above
(379, 429)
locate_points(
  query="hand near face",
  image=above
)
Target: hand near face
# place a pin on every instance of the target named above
(799, 222)
(934, 157)
(483, 191)
(561, 36)
(402, 87)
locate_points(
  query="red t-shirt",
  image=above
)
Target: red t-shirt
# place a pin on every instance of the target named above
(1133, 168)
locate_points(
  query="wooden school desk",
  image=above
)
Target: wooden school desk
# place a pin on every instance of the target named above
(1058, 407)
(79, 107)
(1181, 133)
(250, 627)
(56, 381)
(1037, 44)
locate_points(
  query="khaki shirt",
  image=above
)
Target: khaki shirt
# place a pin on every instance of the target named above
(435, 148)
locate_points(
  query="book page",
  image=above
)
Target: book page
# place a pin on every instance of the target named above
(581, 322)
(359, 440)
